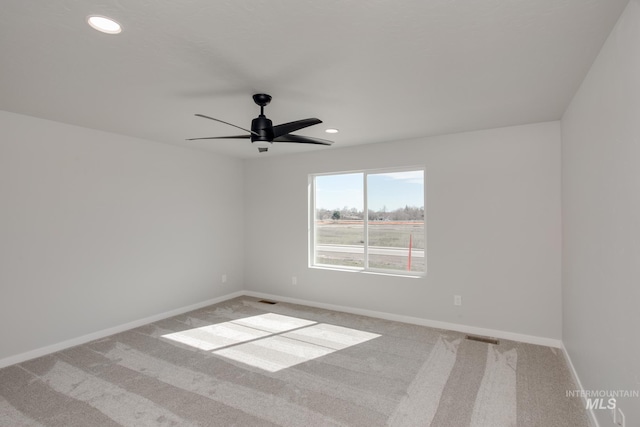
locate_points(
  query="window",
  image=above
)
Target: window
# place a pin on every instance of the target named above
(389, 238)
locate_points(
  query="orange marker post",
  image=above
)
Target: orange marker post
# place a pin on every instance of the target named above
(410, 244)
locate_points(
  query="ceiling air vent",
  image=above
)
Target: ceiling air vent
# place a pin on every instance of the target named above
(264, 301)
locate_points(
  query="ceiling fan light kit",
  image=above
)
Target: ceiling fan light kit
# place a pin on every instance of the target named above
(263, 133)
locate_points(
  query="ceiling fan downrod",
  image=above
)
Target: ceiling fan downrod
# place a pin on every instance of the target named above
(261, 125)
(262, 99)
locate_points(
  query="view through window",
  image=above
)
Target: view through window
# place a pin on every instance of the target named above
(389, 237)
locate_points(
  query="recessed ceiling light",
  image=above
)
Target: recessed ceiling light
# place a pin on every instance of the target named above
(103, 24)
(331, 131)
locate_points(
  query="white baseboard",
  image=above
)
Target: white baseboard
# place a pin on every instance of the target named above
(42, 351)
(549, 342)
(530, 339)
(574, 374)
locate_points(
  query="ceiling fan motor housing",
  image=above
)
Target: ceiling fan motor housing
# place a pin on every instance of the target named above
(264, 129)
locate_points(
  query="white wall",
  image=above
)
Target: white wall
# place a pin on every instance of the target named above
(493, 230)
(98, 230)
(601, 220)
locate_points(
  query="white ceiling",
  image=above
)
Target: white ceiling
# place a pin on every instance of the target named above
(378, 70)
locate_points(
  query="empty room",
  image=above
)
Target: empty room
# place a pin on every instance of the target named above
(329, 213)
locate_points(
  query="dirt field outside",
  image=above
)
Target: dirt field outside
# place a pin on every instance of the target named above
(389, 243)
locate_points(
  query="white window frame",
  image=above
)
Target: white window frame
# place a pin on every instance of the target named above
(365, 172)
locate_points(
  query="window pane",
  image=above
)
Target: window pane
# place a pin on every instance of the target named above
(396, 220)
(339, 218)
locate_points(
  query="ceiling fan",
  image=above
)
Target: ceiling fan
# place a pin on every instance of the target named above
(263, 132)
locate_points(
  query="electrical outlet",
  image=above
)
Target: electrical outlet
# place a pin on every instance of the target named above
(223, 279)
(294, 280)
(457, 300)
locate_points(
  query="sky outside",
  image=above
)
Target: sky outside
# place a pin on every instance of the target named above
(391, 190)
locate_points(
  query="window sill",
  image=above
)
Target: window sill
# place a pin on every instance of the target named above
(416, 275)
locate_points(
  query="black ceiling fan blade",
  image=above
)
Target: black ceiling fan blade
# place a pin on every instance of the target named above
(222, 137)
(286, 128)
(227, 123)
(302, 139)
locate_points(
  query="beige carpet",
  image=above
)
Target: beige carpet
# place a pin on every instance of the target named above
(247, 363)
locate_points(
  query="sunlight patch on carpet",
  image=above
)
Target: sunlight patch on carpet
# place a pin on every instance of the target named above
(271, 341)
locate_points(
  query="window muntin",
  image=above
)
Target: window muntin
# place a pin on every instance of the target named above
(390, 238)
